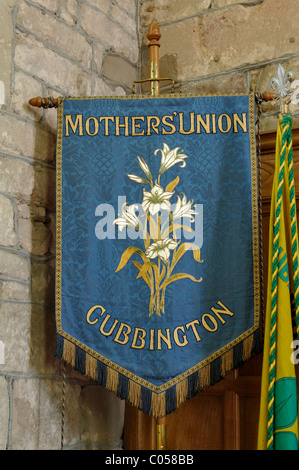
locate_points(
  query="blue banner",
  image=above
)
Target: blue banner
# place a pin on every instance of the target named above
(158, 276)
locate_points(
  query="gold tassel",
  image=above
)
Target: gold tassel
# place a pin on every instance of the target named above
(227, 362)
(158, 405)
(204, 376)
(134, 393)
(247, 347)
(69, 352)
(181, 392)
(112, 380)
(91, 367)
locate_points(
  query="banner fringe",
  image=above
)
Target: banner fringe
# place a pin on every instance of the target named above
(165, 402)
(91, 367)
(134, 393)
(158, 404)
(181, 392)
(112, 380)
(227, 362)
(69, 353)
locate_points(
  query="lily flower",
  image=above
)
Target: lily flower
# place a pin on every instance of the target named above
(170, 158)
(183, 209)
(128, 218)
(156, 200)
(161, 248)
(144, 167)
(137, 179)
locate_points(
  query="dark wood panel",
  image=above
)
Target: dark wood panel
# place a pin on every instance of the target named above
(187, 430)
(249, 416)
(139, 430)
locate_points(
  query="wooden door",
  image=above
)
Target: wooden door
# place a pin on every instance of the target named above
(224, 416)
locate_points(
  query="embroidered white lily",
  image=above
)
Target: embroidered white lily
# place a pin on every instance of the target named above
(161, 248)
(170, 158)
(128, 218)
(156, 200)
(137, 179)
(144, 167)
(157, 221)
(183, 209)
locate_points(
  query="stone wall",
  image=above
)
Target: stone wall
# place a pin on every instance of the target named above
(58, 48)
(225, 46)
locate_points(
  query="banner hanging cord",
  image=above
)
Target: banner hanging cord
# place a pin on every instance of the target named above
(63, 405)
(259, 162)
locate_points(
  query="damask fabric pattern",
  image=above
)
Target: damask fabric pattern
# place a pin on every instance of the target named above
(157, 284)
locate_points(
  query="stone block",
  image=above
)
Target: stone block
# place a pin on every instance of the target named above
(17, 177)
(112, 36)
(6, 19)
(224, 84)
(50, 414)
(228, 39)
(126, 21)
(102, 418)
(36, 406)
(43, 282)
(102, 5)
(129, 5)
(25, 88)
(22, 138)
(8, 235)
(25, 414)
(50, 5)
(99, 51)
(34, 237)
(28, 333)
(119, 70)
(101, 88)
(15, 291)
(69, 11)
(14, 266)
(15, 334)
(50, 117)
(55, 70)
(167, 11)
(32, 184)
(56, 33)
(253, 77)
(43, 192)
(227, 3)
(36, 213)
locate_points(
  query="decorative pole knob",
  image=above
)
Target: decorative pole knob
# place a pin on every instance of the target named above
(46, 103)
(153, 36)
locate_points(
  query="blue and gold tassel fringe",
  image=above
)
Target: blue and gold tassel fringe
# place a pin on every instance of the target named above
(165, 402)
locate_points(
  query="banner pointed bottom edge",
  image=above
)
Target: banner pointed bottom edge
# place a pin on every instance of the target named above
(151, 403)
